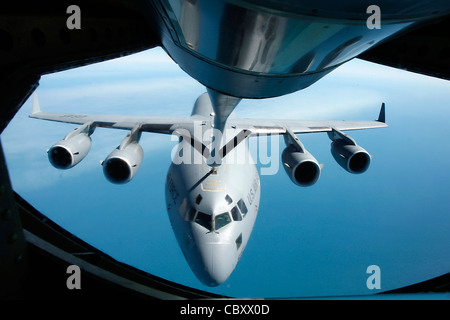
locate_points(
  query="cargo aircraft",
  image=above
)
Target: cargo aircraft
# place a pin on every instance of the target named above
(212, 186)
(241, 48)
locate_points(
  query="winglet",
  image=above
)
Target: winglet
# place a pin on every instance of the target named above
(382, 115)
(36, 107)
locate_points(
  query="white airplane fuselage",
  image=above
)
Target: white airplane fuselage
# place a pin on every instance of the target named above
(213, 211)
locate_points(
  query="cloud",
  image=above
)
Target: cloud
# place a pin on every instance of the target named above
(140, 97)
(136, 84)
(154, 60)
(343, 94)
(354, 91)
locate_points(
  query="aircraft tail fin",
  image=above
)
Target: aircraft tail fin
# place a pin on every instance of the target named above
(382, 115)
(202, 106)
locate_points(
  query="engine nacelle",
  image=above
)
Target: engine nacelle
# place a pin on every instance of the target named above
(68, 152)
(122, 164)
(350, 156)
(301, 167)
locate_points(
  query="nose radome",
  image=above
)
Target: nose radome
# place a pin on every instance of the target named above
(219, 262)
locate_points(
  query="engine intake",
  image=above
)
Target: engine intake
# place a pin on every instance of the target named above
(301, 167)
(350, 156)
(68, 152)
(122, 164)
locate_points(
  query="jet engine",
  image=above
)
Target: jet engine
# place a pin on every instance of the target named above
(301, 166)
(72, 149)
(123, 163)
(347, 153)
(350, 156)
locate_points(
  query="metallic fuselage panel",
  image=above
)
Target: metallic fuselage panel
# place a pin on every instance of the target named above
(249, 50)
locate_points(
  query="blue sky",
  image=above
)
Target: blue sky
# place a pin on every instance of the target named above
(307, 241)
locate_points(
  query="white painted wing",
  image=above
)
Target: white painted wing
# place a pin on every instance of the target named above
(149, 124)
(268, 126)
(275, 126)
(168, 125)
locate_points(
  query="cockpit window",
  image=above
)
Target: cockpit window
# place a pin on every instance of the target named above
(239, 241)
(222, 220)
(242, 207)
(204, 220)
(198, 199)
(236, 214)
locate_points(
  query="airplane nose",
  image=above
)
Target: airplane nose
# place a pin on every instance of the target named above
(219, 261)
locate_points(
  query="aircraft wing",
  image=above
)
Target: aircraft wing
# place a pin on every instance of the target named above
(168, 125)
(148, 124)
(275, 126)
(185, 127)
